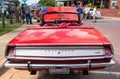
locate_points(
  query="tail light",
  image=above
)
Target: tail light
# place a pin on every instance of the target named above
(109, 50)
(9, 50)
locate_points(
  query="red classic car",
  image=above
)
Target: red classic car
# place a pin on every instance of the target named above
(61, 44)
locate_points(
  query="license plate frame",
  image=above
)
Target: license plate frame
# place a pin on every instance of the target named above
(56, 70)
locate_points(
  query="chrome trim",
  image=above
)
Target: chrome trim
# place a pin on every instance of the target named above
(62, 44)
(58, 58)
(89, 64)
(60, 52)
(92, 46)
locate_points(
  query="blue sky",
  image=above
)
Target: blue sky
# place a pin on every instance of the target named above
(29, 2)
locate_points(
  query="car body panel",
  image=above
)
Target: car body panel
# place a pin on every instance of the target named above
(57, 16)
(61, 9)
(37, 35)
(60, 46)
(58, 9)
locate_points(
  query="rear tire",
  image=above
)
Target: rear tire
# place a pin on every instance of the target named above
(33, 72)
(85, 72)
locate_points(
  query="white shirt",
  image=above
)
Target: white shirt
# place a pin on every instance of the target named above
(87, 10)
(94, 11)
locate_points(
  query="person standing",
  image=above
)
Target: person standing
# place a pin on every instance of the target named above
(22, 13)
(17, 13)
(80, 12)
(94, 14)
(38, 9)
(86, 13)
(43, 10)
(27, 14)
(10, 11)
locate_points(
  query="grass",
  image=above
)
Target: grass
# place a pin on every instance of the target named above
(8, 28)
(7, 19)
(4, 19)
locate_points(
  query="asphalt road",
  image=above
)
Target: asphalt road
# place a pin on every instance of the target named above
(110, 28)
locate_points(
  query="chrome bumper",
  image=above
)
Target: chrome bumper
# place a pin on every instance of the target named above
(88, 65)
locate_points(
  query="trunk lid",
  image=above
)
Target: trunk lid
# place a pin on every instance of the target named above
(59, 36)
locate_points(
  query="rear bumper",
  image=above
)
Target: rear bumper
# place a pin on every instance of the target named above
(86, 65)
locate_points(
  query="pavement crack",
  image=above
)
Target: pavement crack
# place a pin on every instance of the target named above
(12, 75)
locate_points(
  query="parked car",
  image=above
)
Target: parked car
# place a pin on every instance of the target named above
(61, 45)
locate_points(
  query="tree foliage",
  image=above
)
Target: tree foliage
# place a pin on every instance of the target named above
(47, 2)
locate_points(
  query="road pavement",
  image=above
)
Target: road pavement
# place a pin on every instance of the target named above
(108, 26)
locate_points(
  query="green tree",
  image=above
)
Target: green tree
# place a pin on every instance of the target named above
(47, 2)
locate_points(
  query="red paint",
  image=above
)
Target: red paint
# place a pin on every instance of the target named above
(37, 35)
(60, 34)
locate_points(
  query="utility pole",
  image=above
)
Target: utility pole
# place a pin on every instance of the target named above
(2, 6)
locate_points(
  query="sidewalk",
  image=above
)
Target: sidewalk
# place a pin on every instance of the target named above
(5, 39)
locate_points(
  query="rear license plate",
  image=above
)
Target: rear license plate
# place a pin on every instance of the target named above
(55, 70)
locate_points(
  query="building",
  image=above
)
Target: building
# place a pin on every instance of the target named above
(113, 10)
(107, 7)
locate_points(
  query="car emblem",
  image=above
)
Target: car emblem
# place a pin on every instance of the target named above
(59, 52)
(97, 52)
(60, 15)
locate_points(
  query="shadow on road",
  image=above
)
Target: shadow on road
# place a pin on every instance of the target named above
(3, 70)
(80, 76)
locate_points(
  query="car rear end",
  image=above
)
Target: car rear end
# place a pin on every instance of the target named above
(59, 58)
(59, 50)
